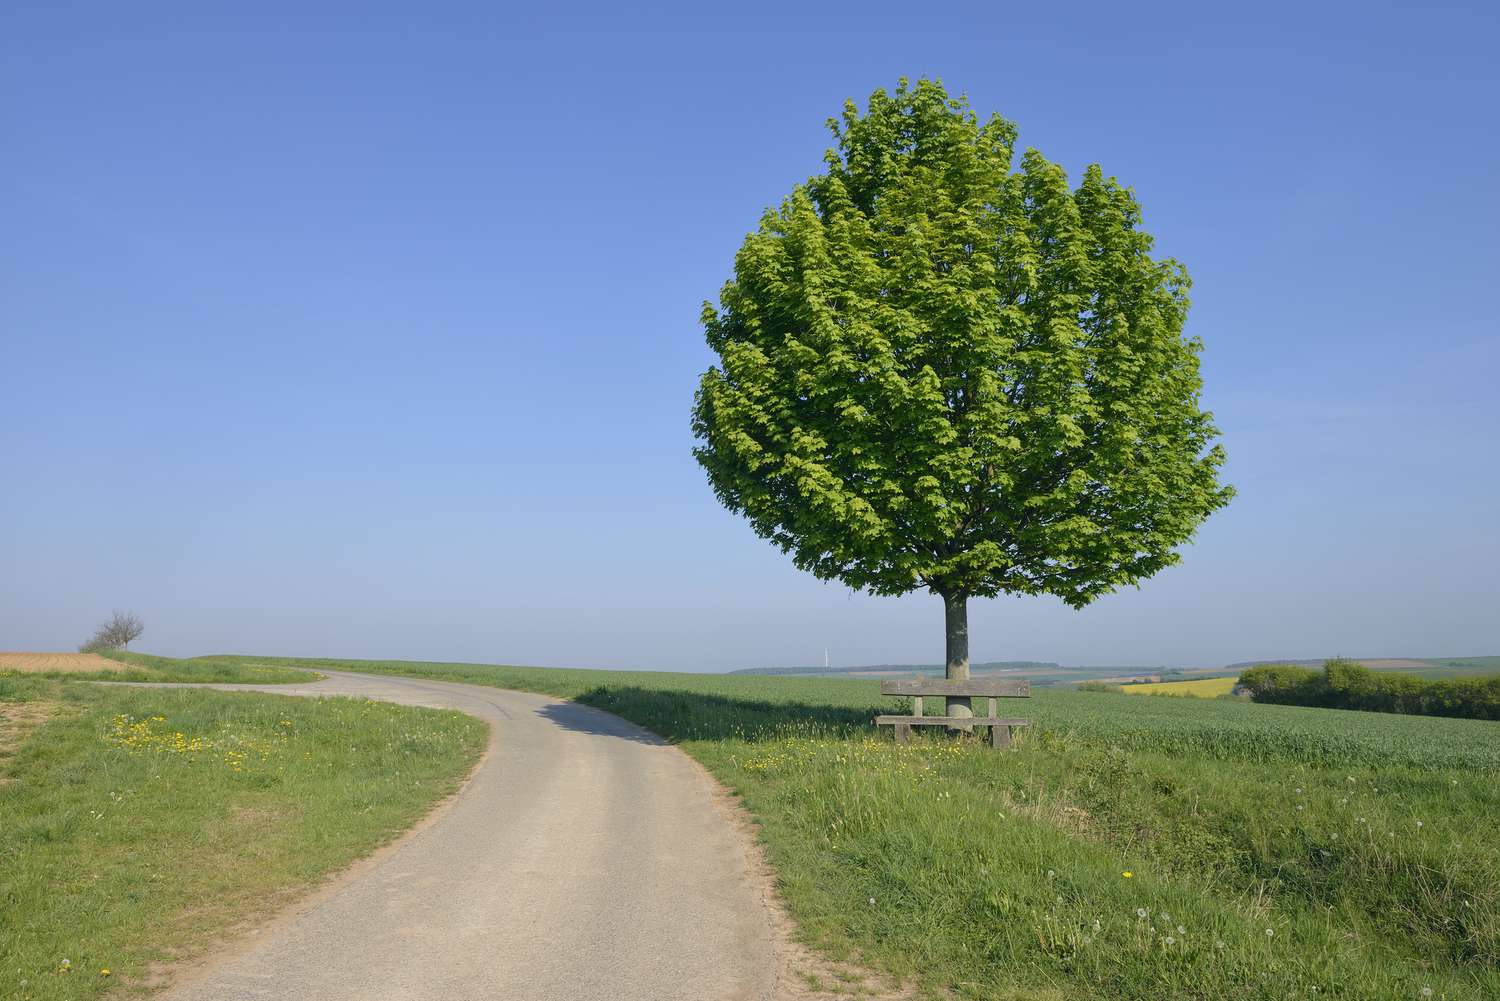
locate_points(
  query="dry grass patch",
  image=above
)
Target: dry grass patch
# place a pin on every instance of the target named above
(67, 663)
(17, 719)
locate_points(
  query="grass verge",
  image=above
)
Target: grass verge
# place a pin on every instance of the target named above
(140, 825)
(1130, 848)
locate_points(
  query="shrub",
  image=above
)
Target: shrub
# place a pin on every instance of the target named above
(1347, 684)
(116, 634)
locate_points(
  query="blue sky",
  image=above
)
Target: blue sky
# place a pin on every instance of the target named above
(372, 331)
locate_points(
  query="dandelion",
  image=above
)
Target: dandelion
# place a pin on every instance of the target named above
(104, 972)
(1270, 933)
(1127, 874)
(1218, 943)
(872, 901)
(1181, 930)
(1427, 992)
(66, 966)
(1419, 824)
(1051, 873)
(1141, 912)
(1170, 940)
(1097, 926)
(1164, 916)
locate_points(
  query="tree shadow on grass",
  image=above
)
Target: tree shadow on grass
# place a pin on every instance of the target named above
(678, 716)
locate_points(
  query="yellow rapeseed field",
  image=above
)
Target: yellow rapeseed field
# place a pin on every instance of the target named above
(1203, 688)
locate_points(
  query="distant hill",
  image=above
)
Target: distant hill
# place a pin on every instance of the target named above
(988, 667)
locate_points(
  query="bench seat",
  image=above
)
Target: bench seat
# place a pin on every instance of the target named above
(921, 689)
(951, 720)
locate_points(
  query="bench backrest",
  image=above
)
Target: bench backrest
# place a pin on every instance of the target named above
(991, 687)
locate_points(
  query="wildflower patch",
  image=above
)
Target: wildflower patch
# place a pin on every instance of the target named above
(155, 735)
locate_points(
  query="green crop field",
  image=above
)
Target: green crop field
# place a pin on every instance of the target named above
(1130, 848)
(137, 825)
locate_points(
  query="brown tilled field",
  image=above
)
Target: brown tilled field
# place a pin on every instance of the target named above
(69, 662)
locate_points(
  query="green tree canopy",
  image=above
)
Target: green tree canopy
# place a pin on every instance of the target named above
(938, 371)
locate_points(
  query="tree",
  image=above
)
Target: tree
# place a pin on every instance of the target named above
(937, 371)
(115, 634)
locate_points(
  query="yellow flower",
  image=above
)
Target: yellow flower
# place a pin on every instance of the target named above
(1127, 874)
(104, 972)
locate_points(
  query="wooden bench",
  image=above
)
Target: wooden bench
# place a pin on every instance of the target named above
(990, 688)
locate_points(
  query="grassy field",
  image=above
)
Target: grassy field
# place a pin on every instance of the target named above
(144, 667)
(1203, 688)
(1130, 848)
(1460, 667)
(140, 824)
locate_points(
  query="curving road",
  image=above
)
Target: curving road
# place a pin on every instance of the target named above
(585, 858)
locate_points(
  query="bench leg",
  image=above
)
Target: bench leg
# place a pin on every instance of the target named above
(999, 737)
(903, 733)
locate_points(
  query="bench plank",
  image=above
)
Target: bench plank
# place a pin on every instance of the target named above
(991, 687)
(950, 721)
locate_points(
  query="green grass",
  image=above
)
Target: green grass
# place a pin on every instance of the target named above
(139, 824)
(1296, 848)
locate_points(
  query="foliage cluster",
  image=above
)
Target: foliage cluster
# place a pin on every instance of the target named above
(1345, 684)
(941, 369)
(117, 633)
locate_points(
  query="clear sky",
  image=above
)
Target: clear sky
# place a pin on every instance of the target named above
(372, 330)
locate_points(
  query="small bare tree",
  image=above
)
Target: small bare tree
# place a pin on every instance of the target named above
(115, 634)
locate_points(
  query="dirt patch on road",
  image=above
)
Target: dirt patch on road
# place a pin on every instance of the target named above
(69, 663)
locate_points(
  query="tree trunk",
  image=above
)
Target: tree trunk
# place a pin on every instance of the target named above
(956, 620)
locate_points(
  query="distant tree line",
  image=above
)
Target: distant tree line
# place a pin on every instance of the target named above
(994, 665)
(114, 634)
(1346, 684)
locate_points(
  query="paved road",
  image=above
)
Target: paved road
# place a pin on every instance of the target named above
(584, 860)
